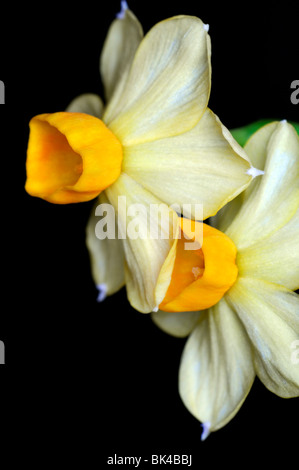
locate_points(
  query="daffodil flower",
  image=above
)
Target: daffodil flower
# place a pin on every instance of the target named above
(154, 141)
(254, 327)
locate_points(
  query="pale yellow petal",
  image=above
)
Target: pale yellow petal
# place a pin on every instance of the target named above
(150, 230)
(274, 259)
(270, 314)
(275, 198)
(202, 166)
(216, 371)
(168, 86)
(88, 103)
(256, 149)
(122, 41)
(106, 255)
(179, 324)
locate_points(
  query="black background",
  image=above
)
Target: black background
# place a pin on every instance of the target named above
(95, 379)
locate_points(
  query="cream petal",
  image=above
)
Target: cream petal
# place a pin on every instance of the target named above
(274, 259)
(168, 86)
(122, 41)
(106, 255)
(88, 103)
(216, 371)
(186, 169)
(145, 250)
(179, 324)
(275, 198)
(270, 314)
(256, 149)
(242, 134)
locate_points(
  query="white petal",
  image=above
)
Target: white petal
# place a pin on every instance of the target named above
(216, 371)
(256, 149)
(168, 86)
(270, 315)
(145, 253)
(87, 103)
(275, 198)
(187, 169)
(106, 256)
(257, 145)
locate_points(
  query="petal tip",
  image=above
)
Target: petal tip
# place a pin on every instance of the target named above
(123, 8)
(102, 294)
(254, 172)
(205, 430)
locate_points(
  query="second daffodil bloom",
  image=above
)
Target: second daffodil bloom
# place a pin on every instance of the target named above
(254, 328)
(154, 141)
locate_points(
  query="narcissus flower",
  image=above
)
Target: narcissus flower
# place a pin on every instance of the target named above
(154, 141)
(254, 328)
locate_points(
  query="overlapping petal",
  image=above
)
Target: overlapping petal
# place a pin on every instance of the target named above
(201, 276)
(149, 237)
(106, 255)
(168, 86)
(71, 157)
(216, 371)
(122, 41)
(256, 149)
(187, 168)
(275, 198)
(270, 314)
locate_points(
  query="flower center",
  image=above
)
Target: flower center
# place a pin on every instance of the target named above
(200, 277)
(71, 157)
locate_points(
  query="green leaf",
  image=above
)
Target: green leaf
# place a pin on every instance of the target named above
(242, 134)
